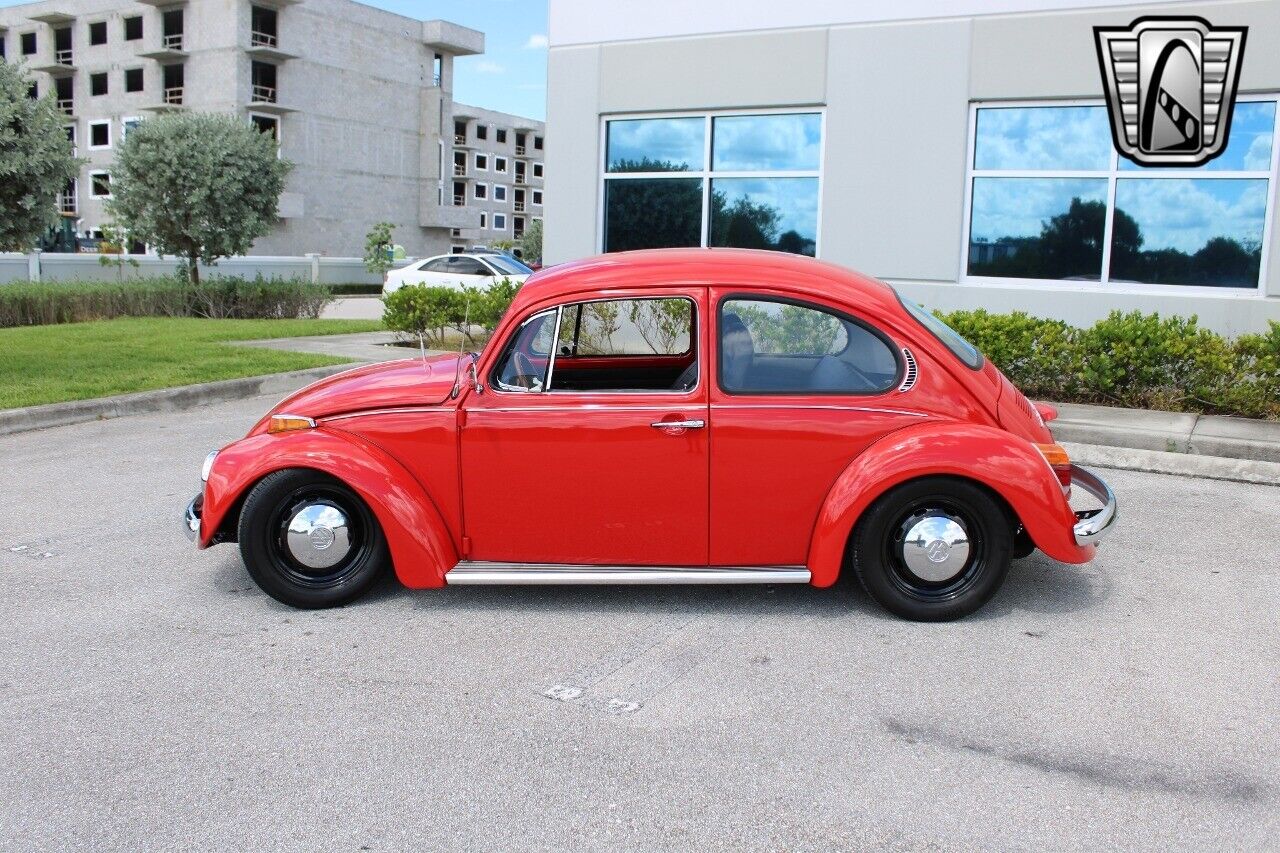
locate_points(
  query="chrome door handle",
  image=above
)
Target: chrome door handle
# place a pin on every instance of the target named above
(678, 424)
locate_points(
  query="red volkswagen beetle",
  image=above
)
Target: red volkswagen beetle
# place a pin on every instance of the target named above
(673, 416)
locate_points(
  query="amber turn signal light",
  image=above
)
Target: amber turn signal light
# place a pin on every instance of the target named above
(1059, 461)
(288, 423)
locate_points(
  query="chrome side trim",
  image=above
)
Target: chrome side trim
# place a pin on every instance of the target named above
(478, 573)
(1093, 524)
(872, 409)
(398, 410)
(675, 405)
(912, 372)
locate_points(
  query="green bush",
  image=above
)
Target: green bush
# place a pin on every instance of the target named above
(224, 297)
(433, 311)
(1137, 360)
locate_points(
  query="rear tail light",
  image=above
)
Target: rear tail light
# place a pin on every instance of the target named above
(1059, 461)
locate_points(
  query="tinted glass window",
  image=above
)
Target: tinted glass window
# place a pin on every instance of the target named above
(771, 347)
(508, 266)
(1049, 138)
(963, 350)
(438, 265)
(1201, 232)
(656, 145)
(765, 213)
(466, 266)
(766, 143)
(1038, 227)
(652, 214)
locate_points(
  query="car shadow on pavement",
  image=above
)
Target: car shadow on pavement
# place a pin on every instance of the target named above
(1036, 585)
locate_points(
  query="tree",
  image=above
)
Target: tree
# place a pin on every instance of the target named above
(531, 243)
(35, 161)
(197, 185)
(378, 249)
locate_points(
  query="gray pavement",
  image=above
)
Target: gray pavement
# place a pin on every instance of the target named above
(354, 308)
(151, 698)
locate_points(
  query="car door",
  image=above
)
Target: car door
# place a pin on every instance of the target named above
(582, 470)
(799, 389)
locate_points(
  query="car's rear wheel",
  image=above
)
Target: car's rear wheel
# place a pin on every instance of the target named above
(933, 549)
(309, 541)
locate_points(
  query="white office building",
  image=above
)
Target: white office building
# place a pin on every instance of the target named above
(957, 148)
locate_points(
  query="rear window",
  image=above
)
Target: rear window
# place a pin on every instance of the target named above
(963, 350)
(509, 266)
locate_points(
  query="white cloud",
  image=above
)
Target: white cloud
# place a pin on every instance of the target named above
(486, 66)
(537, 41)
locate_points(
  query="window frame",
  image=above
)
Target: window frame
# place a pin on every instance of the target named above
(100, 123)
(1112, 175)
(769, 296)
(105, 77)
(694, 343)
(140, 69)
(99, 26)
(499, 222)
(706, 173)
(124, 27)
(92, 190)
(499, 188)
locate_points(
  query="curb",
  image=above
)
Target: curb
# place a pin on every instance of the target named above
(164, 400)
(1173, 433)
(1182, 464)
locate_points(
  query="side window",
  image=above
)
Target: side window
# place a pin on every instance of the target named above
(624, 345)
(524, 364)
(438, 265)
(462, 265)
(777, 347)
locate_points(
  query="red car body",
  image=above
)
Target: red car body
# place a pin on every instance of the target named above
(458, 472)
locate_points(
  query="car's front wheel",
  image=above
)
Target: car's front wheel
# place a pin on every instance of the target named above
(309, 541)
(933, 549)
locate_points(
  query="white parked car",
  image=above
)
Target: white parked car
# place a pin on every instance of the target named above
(476, 270)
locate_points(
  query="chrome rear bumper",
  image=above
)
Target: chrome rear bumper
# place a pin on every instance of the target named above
(1093, 524)
(191, 518)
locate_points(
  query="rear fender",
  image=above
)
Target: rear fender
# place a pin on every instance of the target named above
(1004, 463)
(421, 547)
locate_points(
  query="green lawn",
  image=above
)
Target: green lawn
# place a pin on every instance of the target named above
(78, 361)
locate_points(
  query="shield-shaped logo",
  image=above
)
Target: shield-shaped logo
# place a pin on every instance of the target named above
(1171, 86)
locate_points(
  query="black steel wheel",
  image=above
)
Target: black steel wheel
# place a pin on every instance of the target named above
(309, 541)
(933, 549)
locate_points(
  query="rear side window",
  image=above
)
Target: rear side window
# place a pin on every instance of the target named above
(962, 349)
(781, 347)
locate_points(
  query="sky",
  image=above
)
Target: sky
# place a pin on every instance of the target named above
(511, 75)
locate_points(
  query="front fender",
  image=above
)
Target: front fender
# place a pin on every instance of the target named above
(1004, 463)
(421, 547)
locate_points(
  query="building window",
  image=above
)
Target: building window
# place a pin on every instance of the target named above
(482, 131)
(98, 32)
(100, 185)
(537, 196)
(499, 192)
(133, 80)
(1049, 198)
(537, 143)
(133, 28)
(127, 124)
(500, 164)
(500, 136)
(484, 220)
(98, 83)
(33, 91)
(734, 179)
(481, 191)
(99, 135)
(482, 161)
(70, 130)
(537, 170)
(270, 125)
(28, 44)
(499, 222)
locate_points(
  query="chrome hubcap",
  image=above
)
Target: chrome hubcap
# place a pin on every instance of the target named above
(319, 536)
(935, 546)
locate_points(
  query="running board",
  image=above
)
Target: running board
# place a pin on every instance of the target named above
(482, 573)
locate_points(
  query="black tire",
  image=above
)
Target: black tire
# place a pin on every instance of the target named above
(880, 544)
(264, 540)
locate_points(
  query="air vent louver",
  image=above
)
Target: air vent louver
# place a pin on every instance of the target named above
(912, 372)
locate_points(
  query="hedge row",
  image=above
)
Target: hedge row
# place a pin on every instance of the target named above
(224, 297)
(432, 311)
(1135, 360)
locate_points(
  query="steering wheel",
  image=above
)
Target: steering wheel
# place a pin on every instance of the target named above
(525, 376)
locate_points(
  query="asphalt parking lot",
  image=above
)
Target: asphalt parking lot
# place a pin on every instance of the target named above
(152, 698)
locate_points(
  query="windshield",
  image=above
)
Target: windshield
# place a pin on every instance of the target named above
(963, 350)
(508, 266)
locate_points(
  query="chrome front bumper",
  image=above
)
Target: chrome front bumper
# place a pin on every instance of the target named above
(1093, 524)
(191, 518)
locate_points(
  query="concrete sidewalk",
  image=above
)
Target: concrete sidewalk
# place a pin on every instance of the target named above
(353, 308)
(1168, 432)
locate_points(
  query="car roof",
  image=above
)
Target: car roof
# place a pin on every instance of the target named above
(745, 268)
